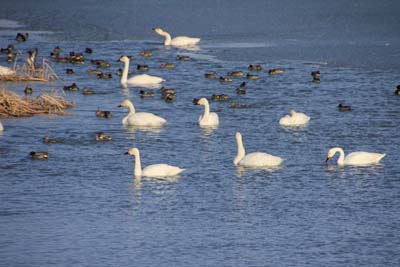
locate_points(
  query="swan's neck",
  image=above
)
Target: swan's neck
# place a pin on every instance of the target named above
(167, 38)
(206, 110)
(341, 156)
(131, 108)
(138, 166)
(124, 76)
(241, 152)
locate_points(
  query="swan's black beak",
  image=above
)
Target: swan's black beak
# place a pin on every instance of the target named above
(126, 153)
(327, 159)
(119, 106)
(196, 101)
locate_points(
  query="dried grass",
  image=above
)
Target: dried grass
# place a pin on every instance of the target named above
(28, 74)
(13, 105)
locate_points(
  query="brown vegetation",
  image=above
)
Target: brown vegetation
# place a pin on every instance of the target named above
(13, 105)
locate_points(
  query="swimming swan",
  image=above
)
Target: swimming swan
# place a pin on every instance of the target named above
(294, 119)
(177, 41)
(255, 159)
(5, 71)
(141, 79)
(143, 119)
(360, 158)
(155, 170)
(208, 118)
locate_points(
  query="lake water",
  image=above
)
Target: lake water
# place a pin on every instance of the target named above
(83, 206)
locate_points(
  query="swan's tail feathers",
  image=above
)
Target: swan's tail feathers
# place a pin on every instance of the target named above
(381, 157)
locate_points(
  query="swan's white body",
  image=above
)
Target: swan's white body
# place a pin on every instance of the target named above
(141, 119)
(141, 79)
(208, 119)
(155, 170)
(5, 71)
(255, 159)
(360, 158)
(177, 41)
(294, 119)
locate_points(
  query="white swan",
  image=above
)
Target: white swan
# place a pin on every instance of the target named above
(208, 118)
(177, 41)
(1, 127)
(5, 71)
(155, 170)
(360, 158)
(142, 119)
(294, 119)
(255, 159)
(141, 79)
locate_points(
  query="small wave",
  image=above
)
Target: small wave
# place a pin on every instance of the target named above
(10, 24)
(237, 45)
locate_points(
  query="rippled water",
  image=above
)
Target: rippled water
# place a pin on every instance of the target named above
(83, 206)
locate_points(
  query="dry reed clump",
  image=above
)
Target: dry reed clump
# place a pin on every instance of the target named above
(13, 105)
(27, 74)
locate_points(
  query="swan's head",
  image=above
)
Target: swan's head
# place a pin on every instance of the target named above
(133, 151)
(202, 101)
(124, 59)
(125, 103)
(331, 153)
(292, 112)
(158, 30)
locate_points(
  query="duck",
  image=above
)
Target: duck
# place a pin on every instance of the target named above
(316, 76)
(250, 76)
(88, 91)
(177, 41)
(141, 119)
(210, 75)
(294, 119)
(146, 53)
(142, 67)
(88, 50)
(8, 49)
(48, 140)
(241, 90)
(155, 170)
(237, 73)
(397, 92)
(100, 63)
(72, 87)
(255, 67)
(104, 75)
(236, 105)
(94, 71)
(39, 154)
(220, 98)
(168, 94)
(225, 79)
(360, 158)
(5, 71)
(275, 71)
(101, 136)
(255, 159)
(144, 93)
(69, 71)
(208, 118)
(22, 37)
(167, 66)
(183, 58)
(343, 107)
(141, 79)
(103, 114)
(169, 98)
(28, 90)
